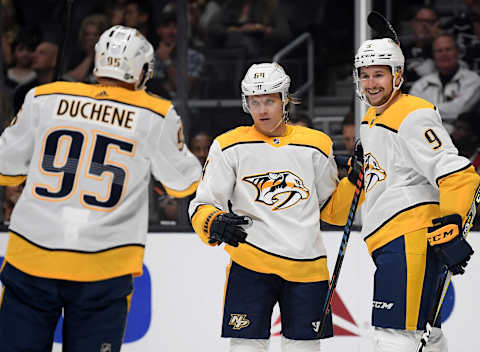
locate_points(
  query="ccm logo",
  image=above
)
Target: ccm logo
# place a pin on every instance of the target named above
(382, 305)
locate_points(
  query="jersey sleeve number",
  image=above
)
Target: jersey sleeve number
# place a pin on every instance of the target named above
(433, 139)
(63, 152)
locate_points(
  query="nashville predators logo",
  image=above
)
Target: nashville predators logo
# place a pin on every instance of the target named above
(279, 189)
(373, 172)
(238, 321)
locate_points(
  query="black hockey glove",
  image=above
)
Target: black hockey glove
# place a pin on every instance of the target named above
(355, 163)
(226, 228)
(447, 241)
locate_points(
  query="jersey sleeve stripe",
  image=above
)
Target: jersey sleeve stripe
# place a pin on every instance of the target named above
(182, 193)
(439, 178)
(8, 180)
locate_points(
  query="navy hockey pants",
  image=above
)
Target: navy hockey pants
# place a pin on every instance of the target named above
(95, 313)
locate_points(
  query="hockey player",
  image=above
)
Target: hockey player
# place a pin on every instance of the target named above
(78, 231)
(277, 177)
(417, 189)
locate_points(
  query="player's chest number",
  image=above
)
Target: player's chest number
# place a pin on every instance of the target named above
(64, 151)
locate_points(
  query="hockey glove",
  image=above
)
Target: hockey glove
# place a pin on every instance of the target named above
(226, 228)
(355, 163)
(447, 242)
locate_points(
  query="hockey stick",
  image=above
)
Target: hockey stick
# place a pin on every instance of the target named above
(342, 250)
(382, 26)
(66, 34)
(445, 282)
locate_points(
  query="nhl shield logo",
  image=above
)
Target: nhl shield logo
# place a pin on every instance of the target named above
(281, 189)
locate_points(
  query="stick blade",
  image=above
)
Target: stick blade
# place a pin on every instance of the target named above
(381, 26)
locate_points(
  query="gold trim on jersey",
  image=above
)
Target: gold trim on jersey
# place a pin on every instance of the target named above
(335, 211)
(138, 98)
(394, 115)
(11, 181)
(182, 193)
(289, 269)
(407, 220)
(202, 219)
(457, 191)
(294, 135)
(75, 266)
(416, 260)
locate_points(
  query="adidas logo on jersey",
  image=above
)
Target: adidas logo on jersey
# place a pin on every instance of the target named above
(238, 321)
(278, 189)
(103, 93)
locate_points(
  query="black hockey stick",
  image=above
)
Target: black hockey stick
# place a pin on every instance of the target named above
(445, 282)
(382, 26)
(342, 250)
(61, 50)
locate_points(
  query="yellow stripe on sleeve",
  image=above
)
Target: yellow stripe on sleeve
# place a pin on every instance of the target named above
(11, 180)
(457, 191)
(184, 193)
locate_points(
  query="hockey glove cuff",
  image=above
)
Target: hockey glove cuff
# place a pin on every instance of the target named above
(447, 242)
(227, 228)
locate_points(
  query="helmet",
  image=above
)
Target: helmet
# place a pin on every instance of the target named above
(266, 78)
(122, 53)
(378, 52)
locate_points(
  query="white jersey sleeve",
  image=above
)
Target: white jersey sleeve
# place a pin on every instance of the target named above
(214, 190)
(167, 137)
(427, 146)
(326, 178)
(17, 141)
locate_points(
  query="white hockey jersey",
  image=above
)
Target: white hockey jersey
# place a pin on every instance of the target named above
(413, 172)
(88, 152)
(281, 183)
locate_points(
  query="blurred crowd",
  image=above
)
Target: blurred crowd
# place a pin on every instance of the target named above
(441, 46)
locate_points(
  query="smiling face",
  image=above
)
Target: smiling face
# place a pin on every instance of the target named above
(445, 54)
(267, 113)
(377, 83)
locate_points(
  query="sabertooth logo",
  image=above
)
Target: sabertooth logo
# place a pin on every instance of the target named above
(373, 172)
(279, 189)
(238, 321)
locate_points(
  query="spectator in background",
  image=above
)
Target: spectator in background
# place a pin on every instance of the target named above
(6, 109)
(138, 15)
(199, 145)
(461, 26)
(300, 119)
(418, 53)
(164, 82)
(472, 50)
(21, 72)
(201, 13)
(9, 30)
(82, 60)
(115, 11)
(258, 26)
(451, 88)
(44, 59)
(466, 137)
